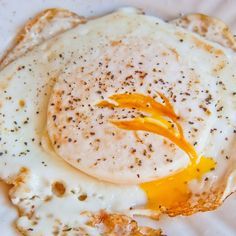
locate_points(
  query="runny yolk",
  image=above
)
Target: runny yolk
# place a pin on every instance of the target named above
(171, 191)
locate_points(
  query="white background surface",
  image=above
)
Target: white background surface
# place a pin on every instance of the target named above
(13, 13)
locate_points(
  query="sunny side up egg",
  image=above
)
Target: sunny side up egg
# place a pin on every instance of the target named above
(144, 112)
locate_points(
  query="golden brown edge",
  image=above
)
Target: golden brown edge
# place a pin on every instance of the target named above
(207, 22)
(47, 14)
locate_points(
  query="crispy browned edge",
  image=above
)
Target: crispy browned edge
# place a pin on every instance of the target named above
(207, 22)
(213, 199)
(47, 14)
(117, 224)
(111, 223)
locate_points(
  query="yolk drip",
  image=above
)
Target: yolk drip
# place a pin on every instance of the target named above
(171, 191)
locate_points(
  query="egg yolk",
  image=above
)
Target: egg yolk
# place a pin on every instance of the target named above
(171, 191)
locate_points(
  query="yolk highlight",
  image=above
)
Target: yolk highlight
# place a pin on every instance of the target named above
(171, 191)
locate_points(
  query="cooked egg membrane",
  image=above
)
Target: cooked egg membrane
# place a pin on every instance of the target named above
(56, 182)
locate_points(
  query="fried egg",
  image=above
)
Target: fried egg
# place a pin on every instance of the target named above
(123, 115)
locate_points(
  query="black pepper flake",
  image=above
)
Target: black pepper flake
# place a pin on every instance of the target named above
(220, 109)
(208, 99)
(69, 119)
(133, 150)
(54, 117)
(150, 147)
(66, 230)
(20, 68)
